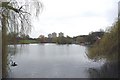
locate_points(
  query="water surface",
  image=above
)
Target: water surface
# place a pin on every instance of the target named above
(51, 61)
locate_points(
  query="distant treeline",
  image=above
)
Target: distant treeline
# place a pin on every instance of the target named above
(14, 38)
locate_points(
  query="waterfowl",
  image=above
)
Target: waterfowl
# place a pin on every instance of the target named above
(13, 64)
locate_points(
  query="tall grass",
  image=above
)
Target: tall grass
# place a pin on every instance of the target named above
(107, 48)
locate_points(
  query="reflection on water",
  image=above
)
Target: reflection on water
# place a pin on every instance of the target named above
(52, 61)
(107, 70)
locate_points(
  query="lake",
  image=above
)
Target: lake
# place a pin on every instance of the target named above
(51, 61)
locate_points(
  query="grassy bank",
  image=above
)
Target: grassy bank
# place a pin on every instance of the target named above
(27, 41)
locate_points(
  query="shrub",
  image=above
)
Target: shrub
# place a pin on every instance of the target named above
(107, 48)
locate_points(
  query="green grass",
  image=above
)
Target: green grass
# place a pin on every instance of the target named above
(27, 41)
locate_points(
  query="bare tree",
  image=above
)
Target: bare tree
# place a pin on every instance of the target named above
(15, 17)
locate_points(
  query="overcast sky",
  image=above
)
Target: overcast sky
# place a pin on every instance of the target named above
(74, 17)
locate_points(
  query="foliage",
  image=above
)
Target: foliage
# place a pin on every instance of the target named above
(92, 37)
(69, 40)
(64, 40)
(12, 37)
(107, 48)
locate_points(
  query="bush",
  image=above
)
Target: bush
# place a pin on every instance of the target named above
(108, 46)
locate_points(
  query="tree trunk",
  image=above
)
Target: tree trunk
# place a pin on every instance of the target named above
(4, 46)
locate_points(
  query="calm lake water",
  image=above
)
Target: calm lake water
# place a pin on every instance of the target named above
(51, 61)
